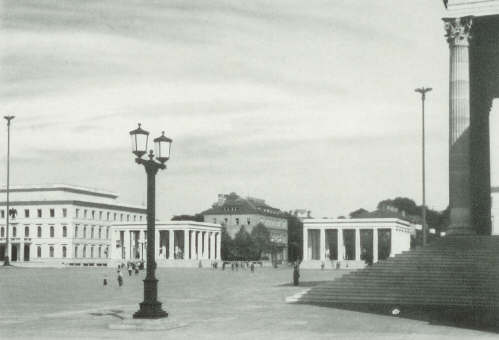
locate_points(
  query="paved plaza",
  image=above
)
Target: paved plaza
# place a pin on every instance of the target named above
(203, 304)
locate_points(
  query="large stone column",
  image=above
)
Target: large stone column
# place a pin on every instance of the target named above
(218, 240)
(127, 242)
(357, 244)
(171, 245)
(305, 244)
(193, 244)
(186, 244)
(375, 245)
(322, 242)
(212, 246)
(200, 245)
(341, 247)
(458, 35)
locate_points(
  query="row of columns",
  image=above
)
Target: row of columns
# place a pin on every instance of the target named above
(198, 244)
(208, 245)
(340, 244)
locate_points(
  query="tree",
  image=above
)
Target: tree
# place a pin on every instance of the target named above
(358, 213)
(295, 237)
(244, 248)
(227, 245)
(261, 240)
(196, 218)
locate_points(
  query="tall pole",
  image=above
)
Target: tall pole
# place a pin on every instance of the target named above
(423, 91)
(7, 262)
(150, 308)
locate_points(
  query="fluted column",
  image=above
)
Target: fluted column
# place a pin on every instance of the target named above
(200, 245)
(212, 246)
(186, 244)
(322, 242)
(341, 247)
(357, 244)
(193, 244)
(171, 244)
(305, 244)
(458, 36)
(375, 245)
(218, 241)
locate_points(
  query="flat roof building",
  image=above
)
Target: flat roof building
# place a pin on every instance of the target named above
(62, 224)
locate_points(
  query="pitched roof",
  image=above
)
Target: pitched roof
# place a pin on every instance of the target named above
(233, 204)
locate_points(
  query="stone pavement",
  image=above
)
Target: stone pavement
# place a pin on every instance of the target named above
(202, 303)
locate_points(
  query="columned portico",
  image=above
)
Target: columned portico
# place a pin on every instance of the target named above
(353, 243)
(177, 243)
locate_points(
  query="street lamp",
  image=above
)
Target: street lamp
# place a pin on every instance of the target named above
(423, 91)
(150, 308)
(6, 260)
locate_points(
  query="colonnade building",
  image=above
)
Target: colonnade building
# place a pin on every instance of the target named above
(177, 243)
(353, 243)
(62, 224)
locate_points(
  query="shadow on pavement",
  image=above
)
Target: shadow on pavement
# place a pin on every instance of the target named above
(483, 319)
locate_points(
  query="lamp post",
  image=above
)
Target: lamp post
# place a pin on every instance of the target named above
(423, 91)
(6, 260)
(150, 308)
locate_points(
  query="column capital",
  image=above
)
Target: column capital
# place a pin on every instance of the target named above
(458, 30)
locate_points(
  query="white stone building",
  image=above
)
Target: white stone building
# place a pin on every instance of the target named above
(177, 243)
(353, 243)
(62, 224)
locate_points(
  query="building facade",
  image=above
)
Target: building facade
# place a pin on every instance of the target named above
(62, 224)
(234, 212)
(353, 243)
(177, 243)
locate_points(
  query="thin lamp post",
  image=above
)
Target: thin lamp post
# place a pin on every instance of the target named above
(150, 308)
(6, 260)
(423, 91)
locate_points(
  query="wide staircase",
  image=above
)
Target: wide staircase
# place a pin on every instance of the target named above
(460, 272)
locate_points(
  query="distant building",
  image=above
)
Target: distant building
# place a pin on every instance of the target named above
(62, 224)
(233, 212)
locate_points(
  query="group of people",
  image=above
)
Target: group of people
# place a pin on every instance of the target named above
(130, 268)
(235, 265)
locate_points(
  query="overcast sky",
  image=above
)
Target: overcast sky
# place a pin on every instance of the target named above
(307, 104)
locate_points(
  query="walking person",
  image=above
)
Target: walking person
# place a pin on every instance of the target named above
(120, 278)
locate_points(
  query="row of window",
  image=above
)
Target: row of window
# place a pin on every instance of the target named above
(101, 252)
(93, 214)
(38, 231)
(87, 214)
(238, 221)
(82, 232)
(39, 213)
(92, 232)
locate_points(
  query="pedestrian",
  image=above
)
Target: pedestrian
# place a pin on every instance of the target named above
(252, 267)
(223, 265)
(129, 270)
(296, 274)
(120, 278)
(105, 281)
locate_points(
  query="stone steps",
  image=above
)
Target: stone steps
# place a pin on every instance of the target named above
(453, 271)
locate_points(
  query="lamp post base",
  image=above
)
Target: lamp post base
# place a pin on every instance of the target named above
(150, 310)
